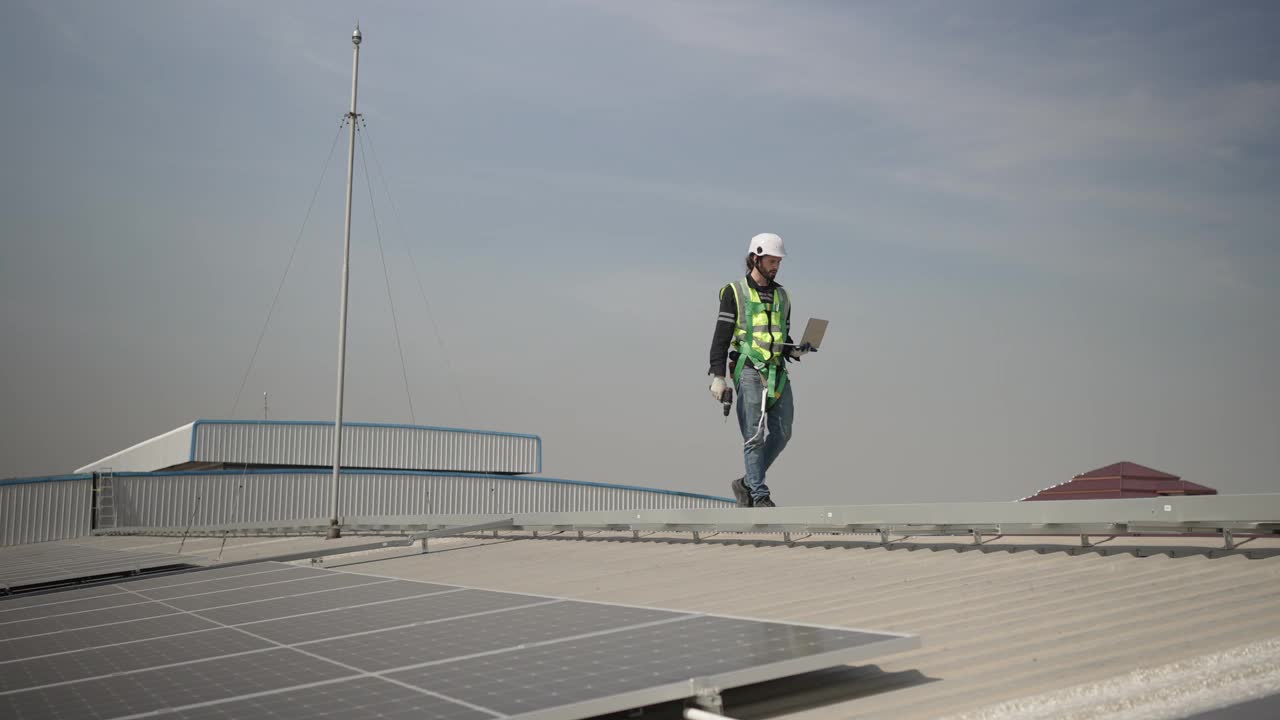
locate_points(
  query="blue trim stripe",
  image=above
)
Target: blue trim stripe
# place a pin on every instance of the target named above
(424, 473)
(44, 478)
(195, 427)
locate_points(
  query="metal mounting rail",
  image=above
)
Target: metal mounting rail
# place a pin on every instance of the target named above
(318, 554)
(314, 555)
(1227, 516)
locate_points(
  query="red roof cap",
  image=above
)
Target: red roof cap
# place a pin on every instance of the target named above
(1128, 469)
(1121, 480)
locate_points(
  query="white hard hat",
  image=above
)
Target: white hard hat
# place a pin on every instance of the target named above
(767, 244)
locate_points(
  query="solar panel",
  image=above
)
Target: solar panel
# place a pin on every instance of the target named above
(24, 567)
(271, 639)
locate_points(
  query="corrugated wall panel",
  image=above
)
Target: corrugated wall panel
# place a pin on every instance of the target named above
(218, 498)
(389, 447)
(43, 511)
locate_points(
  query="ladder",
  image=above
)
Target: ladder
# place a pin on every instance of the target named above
(106, 499)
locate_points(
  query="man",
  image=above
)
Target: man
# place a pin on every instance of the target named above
(751, 335)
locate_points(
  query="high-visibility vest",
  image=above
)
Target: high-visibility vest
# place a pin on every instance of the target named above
(760, 335)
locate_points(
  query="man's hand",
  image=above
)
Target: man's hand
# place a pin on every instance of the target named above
(719, 388)
(799, 351)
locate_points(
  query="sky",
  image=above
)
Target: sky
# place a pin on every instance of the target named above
(1045, 234)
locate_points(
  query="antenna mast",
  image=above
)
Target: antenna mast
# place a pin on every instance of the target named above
(335, 529)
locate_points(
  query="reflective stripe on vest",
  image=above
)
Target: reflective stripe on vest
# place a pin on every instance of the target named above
(766, 342)
(765, 345)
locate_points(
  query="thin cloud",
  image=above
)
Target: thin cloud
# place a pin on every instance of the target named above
(993, 114)
(1075, 130)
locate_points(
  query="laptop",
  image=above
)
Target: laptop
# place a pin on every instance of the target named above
(813, 332)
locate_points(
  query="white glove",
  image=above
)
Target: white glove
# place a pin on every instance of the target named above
(717, 388)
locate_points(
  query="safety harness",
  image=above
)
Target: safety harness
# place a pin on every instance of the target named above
(760, 336)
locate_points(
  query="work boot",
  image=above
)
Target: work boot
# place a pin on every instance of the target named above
(741, 493)
(764, 502)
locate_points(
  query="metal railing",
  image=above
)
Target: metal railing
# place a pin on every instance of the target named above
(59, 507)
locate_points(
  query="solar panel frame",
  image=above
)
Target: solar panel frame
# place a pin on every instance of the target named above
(446, 640)
(35, 612)
(150, 690)
(313, 627)
(139, 655)
(27, 567)
(79, 639)
(689, 688)
(64, 594)
(356, 596)
(485, 679)
(464, 631)
(716, 682)
(341, 698)
(83, 619)
(234, 582)
(196, 602)
(203, 574)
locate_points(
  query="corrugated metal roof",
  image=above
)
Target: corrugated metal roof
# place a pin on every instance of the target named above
(998, 625)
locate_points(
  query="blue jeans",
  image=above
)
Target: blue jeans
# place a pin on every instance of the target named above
(759, 451)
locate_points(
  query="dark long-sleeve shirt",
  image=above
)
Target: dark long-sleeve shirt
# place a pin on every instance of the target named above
(722, 339)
